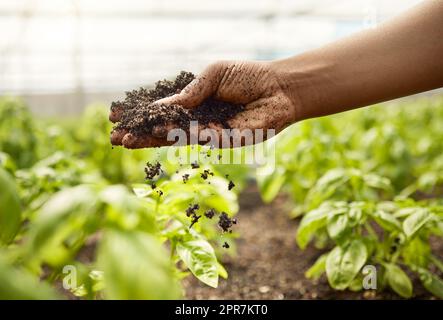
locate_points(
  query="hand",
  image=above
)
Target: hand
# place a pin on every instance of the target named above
(256, 85)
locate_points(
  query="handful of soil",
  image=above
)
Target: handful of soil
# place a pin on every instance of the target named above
(139, 115)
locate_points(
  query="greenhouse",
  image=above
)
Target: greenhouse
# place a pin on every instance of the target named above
(221, 150)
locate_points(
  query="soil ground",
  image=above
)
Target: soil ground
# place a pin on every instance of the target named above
(269, 265)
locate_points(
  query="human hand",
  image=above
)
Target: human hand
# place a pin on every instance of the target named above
(255, 85)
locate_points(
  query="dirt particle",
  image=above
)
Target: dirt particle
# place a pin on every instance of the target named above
(195, 165)
(231, 185)
(210, 213)
(185, 177)
(191, 212)
(225, 223)
(206, 173)
(226, 245)
(152, 170)
(191, 209)
(194, 220)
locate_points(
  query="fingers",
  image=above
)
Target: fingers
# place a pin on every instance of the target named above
(201, 88)
(131, 141)
(162, 131)
(116, 113)
(117, 136)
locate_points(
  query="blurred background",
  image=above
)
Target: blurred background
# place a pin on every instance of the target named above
(68, 198)
(61, 55)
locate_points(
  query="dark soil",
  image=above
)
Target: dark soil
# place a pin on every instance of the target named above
(269, 265)
(152, 170)
(141, 116)
(206, 173)
(225, 223)
(210, 213)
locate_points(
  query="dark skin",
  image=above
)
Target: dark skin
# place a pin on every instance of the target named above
(401, 57)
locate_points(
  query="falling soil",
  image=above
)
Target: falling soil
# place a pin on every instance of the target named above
(206, 173)
(210, 213)
(152, 170)
(185, 177)
(225, 222)
(191, 209)
(140, 116)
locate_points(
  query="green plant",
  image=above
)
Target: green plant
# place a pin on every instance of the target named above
(390, 235)
(367, 185)
(74, 204)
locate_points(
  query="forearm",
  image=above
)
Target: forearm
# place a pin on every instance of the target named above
(399, 58)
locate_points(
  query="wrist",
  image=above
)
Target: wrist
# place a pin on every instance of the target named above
(303, 80)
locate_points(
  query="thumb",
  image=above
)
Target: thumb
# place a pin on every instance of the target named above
(201, 88)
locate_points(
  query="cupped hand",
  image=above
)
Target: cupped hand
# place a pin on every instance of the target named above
(256, 85)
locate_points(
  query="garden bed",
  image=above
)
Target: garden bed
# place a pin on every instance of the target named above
(269, 265)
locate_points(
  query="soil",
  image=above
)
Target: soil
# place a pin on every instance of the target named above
(206, 173)
(226, 223)
(152, 170)
(269, 265)
(140, 116)
(210, 213)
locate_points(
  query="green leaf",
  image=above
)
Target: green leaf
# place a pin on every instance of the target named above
(398, 280)
(386, 220)
(356, 284)
(327, 186)
(318, 268)
(417, 252)
(376, 181)
(10, 211)
(406, 212)
(16, 284)
(416, 221)
(270, 184)
(135, 266)
(311, 222)
(65, 215)
(355, 214)
(199, 256)
(431, 282)
(337, 223)
(222, 271)
(127, 210)
(344, 262)
(7, 163)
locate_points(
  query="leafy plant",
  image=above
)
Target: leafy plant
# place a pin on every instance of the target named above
(367, 185)
(69, 202)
